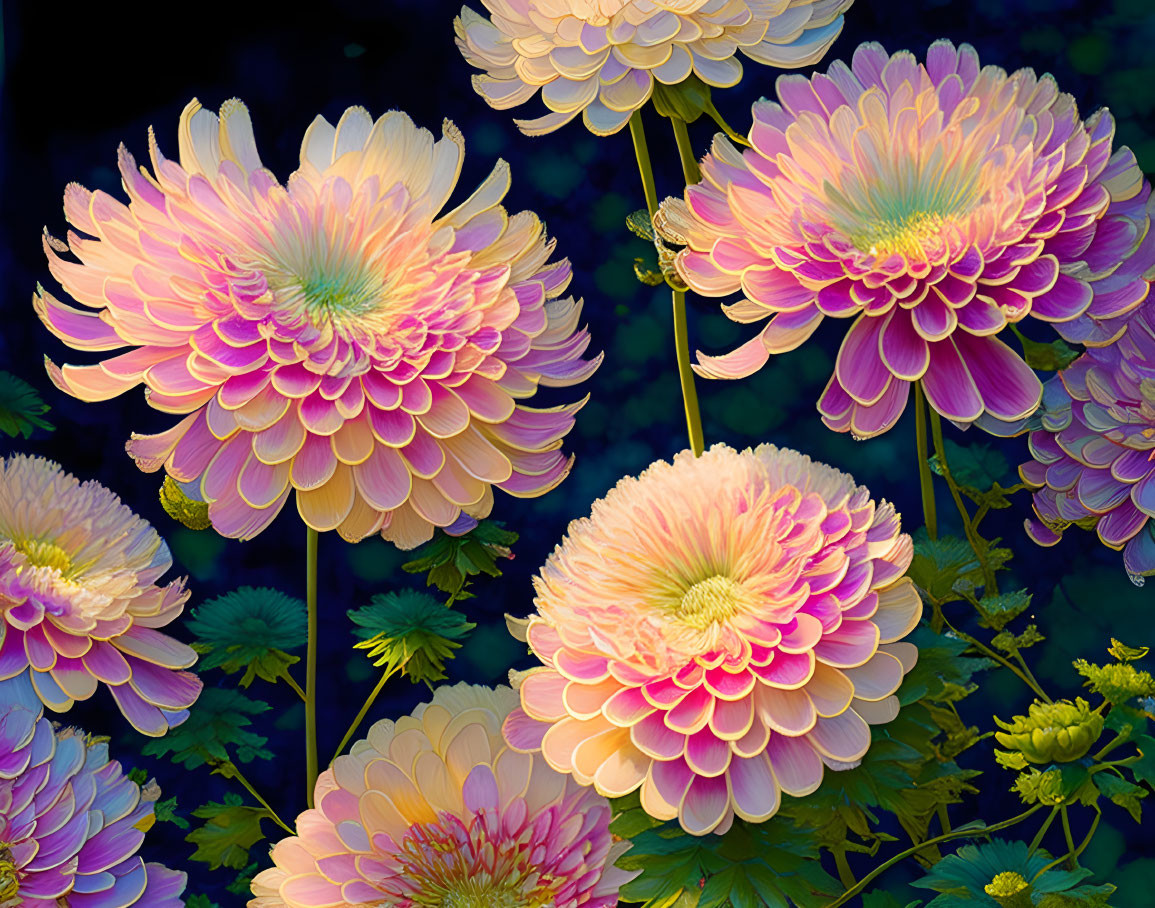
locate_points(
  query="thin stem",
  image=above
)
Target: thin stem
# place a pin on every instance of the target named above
(1070, 840)
(311, 667)
(989, 580)
(930, 518)
(292, 682)
(1072, 855)
(943, 818)
(1038, 839)
(966, 831)
(845, 874)
(1028, 673)
(686, 375)
(725, 127)
(991, 654)
(690, 168)
(1110, 746)
(365, 707)
(642, 153)
(235, 772)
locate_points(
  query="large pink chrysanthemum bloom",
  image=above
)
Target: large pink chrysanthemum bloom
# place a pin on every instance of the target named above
(602, 58)
(338, 336)
(933, 203)
(715, 632)
(435, 809)
(71, 822)
(1094, 454)
(80, 604)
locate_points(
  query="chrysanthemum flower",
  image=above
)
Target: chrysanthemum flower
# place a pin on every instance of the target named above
(71, 822)
(435, 809)
(715, 632)
(80, 604)
(933, 203)
(1094, 454)
(337, 336)
(602, 58)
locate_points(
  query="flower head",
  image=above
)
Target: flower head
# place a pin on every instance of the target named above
(338, 336)
(711, 634)
(71, 822)
(1052, 732)
(933, 203)
(435, 810)
(603, 58)
(250, 629)
(1094, 453)
(411, 631)
(79, 600)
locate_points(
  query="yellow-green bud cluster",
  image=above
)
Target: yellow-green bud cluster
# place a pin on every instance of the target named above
(1052, 732)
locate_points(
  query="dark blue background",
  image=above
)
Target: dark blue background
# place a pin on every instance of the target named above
(81, 78)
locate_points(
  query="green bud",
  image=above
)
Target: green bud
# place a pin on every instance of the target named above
(1052, 732)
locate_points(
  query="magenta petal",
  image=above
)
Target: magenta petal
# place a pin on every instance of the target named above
(1009, 388)
(903, 350)
(1067, 299)
(745, 360)
(705, 805)
(859, 366)
(949, 386)
(522, 733)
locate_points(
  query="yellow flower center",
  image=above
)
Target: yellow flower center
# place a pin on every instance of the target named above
(9, 884)
(486, 894)
(905, 234)
(1006, 883)
(45, 554)
(713, 599)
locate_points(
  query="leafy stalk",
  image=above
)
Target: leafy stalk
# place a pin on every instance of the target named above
(930, 518)
(311, 667)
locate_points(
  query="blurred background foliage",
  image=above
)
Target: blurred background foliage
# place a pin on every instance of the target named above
(81, 78)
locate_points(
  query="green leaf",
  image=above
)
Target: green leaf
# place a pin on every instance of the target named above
(880, 899)
(230, 830)
(941, 566)
(1012, 643)
(976, 465)
(450, 561)
(243, 884)
(629, 818)
(199, 901)
(1117, 682)
(217, 721)
(165, 812)
(996, 612)
(640, 224)
(21, 407)
(250, 630)
(1144, 768)
(411, 631)
(1122, 792)
(941, 670)
(1052, 357)
(687, 100)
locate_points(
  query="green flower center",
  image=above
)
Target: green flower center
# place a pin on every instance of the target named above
(45, 554)
(713, 599)
(329, 296)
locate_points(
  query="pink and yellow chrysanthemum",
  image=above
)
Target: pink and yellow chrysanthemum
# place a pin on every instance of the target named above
(338, 336)
(71, 823)
(932, 203)
(435, 809)
(717, 631)
(603, 58)
(80, 604)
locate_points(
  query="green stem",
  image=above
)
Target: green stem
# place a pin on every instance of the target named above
(930, 518)
(235, 772)
(1072, 855)
(365, 707)
(1110, 746)
(845, 874)
(1038, 839)
(686, 375)
(943, 818)
(991, 654)
(991, 584)
(311, 667)
(292, 682)
(1070, 840)
(1028, 674)
(690, 169)
(971, 832)
(712, 111)
(642, 153)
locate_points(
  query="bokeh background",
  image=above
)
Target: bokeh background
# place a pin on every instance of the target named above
(79, 78)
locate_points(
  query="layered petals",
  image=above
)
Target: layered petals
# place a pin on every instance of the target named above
(706, 634)
(344, 339)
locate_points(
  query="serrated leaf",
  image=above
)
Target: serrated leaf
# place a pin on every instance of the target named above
(165, 812)
(938, 566)
(641, 225)
(976, 465)
(450, 561)
(230, 830)
(218, 721)
(997, 611)
(21, 407)
(1122, 792)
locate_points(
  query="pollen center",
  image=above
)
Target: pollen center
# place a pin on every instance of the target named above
(713, 599)
(906, 234)
(45, 554)
(9, 883)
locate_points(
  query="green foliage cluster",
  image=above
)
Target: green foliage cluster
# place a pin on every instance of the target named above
(451, 561)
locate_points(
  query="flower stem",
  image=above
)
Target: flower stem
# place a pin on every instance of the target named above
(292, 682)
(230, 770)
(681, 334)
(642, 153)
(924, 478)
(311, 667)
(991, 584)
(690, 169)
(845, 874)
(365, 707)
(1071, 862)
(725, 127)
(1027, 679)
(968, 831)
(1038, 839)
